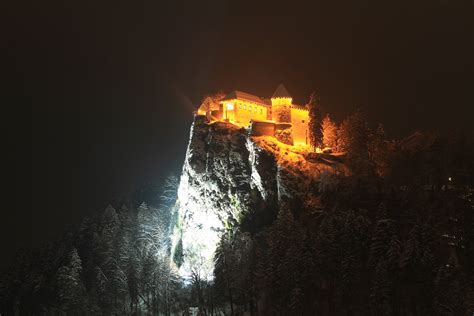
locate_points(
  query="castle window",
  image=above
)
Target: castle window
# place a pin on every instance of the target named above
(302, 121)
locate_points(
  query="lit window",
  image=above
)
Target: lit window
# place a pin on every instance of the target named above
(230, 106)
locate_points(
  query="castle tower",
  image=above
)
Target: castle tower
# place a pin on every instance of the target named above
(281, 105)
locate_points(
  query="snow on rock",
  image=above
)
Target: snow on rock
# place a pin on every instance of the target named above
(226, 174)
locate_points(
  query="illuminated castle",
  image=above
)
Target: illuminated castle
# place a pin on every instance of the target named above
(277, 116)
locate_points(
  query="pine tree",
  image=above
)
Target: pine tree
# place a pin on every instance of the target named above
(354, 241)
(329, 133)
(449, 289)
(378, 151)
(133, 284)
(169, 191)
(384, 256)
(417, 263)
(224, 269)
(109, 227)
(147, 278)
(99, 289)
(71, 291)
(380, 294)
(315, 120)
(353, 138)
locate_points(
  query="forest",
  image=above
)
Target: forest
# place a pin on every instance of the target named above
(393, 237)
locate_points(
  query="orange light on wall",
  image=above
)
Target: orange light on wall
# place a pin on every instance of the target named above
(281, 101)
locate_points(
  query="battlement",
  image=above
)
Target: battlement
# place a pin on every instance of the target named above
(299, 107)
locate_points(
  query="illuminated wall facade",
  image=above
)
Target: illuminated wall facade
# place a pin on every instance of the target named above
(242, 112)
(299, 121)
(281, 108)
(241, 108)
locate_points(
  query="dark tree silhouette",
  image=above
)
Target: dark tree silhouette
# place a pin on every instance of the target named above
(315, 121)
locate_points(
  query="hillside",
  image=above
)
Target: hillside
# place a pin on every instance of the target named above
(255, 227)
(231, 178)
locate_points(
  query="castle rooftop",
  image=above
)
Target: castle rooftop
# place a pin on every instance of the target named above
(281, 92)
(239, 95)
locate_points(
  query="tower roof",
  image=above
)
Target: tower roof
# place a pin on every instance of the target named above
(281, 92)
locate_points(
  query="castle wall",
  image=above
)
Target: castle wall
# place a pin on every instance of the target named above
(228, 114)
(244, 112)
(299, 121)
(282, 113)
(262, 128)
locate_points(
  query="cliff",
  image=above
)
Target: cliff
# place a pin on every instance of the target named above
(232, 178)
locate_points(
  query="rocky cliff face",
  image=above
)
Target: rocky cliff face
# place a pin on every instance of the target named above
(229, 177)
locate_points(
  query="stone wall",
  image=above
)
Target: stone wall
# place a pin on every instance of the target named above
(282, 114)
(258, 128)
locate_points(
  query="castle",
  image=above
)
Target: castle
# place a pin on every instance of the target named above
(277, 116)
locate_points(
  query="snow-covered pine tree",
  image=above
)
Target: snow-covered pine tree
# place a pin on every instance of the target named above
(70, 289)
(353, 138)
(224, 269)
(329, 133)
(449, 298)
(378, 151)
(315, 120)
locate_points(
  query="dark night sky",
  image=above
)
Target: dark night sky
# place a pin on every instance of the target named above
(112, 84)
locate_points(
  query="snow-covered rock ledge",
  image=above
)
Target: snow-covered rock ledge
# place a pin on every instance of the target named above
(227, 175)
